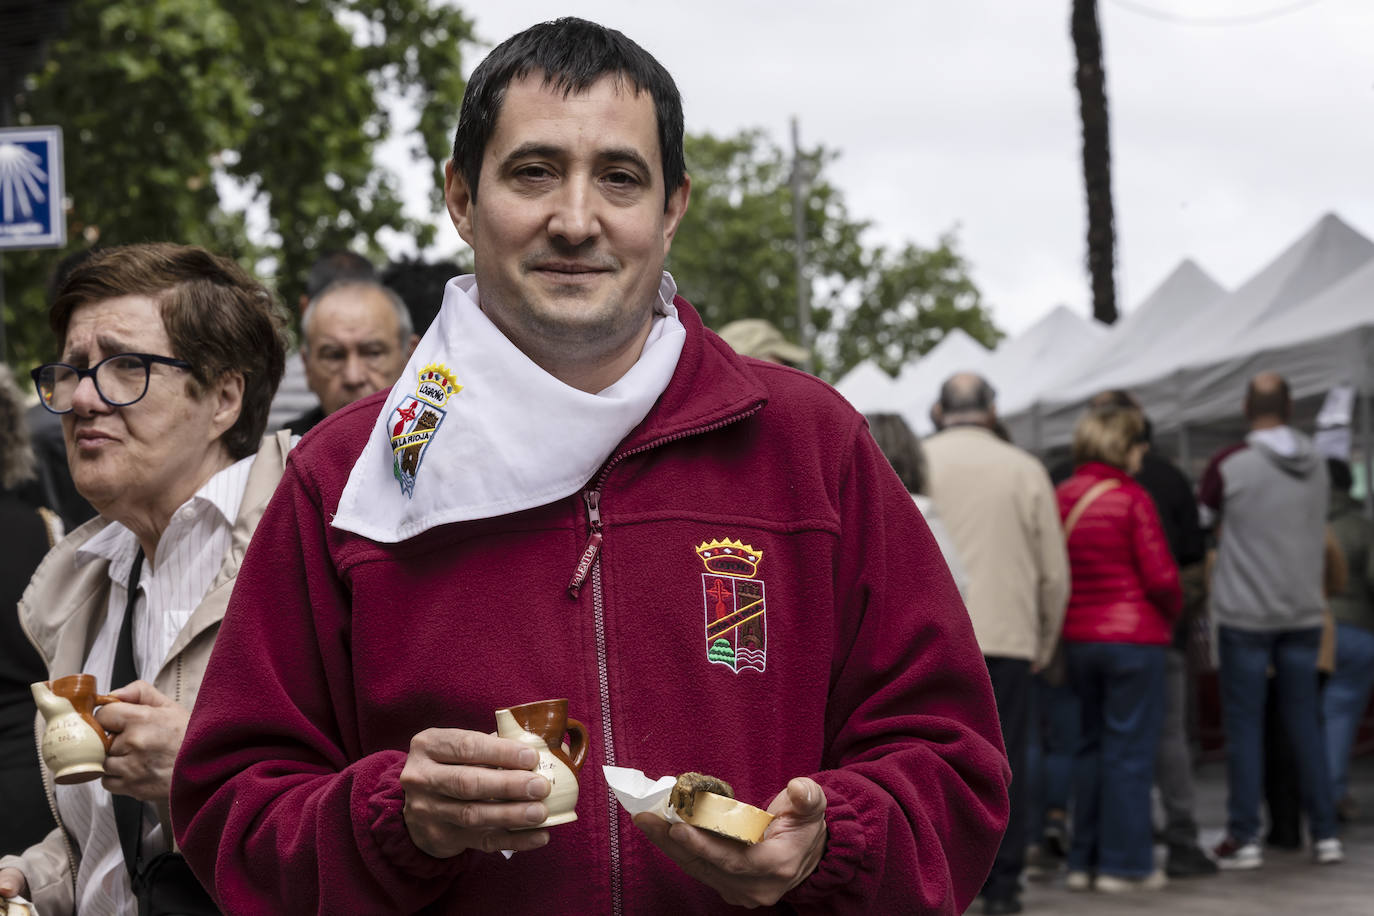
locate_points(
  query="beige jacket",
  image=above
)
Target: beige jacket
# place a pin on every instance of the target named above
(1000, 508)
(62, 611)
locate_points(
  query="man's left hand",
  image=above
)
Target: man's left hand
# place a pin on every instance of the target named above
(755, 875)
(148, 728)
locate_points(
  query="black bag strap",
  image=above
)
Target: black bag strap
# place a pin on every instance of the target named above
(128, 810)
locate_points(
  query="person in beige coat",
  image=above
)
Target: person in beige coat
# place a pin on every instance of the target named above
(170, 357)
(999, 506)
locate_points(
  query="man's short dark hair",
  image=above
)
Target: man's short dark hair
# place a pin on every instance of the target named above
(573, 54)
(1267, 396)
(333, 266)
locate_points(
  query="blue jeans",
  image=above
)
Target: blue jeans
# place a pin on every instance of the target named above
(1346, 698)
(1245, 659)
(1121, 687)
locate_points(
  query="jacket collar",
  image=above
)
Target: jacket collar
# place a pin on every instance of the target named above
(713, 386)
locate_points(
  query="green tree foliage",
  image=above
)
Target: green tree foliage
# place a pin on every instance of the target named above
(734, 258)
(158, 97)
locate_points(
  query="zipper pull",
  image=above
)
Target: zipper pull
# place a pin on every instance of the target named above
(593, 500)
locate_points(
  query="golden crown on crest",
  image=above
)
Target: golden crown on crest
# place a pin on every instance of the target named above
(730, 558)
(437, 384)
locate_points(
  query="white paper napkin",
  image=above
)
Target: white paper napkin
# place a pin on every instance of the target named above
(638, 793)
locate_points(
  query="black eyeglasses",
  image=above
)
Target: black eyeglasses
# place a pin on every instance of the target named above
(120, 380)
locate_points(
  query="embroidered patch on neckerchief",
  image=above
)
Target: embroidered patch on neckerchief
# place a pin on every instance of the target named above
(736, 625)
(415, 422)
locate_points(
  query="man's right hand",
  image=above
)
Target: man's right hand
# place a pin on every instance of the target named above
(469, 790)
(13, 883)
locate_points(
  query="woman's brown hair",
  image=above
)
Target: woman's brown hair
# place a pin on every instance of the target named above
(218, 318)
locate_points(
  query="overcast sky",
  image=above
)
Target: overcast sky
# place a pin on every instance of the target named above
(1228, 140)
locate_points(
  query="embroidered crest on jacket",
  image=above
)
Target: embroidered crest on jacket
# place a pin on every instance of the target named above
(736, 625)
(415, 420)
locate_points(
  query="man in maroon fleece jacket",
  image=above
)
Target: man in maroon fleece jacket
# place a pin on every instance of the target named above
(753, 594)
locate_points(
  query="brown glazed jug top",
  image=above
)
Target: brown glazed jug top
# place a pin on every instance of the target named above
(79, 690)
(549, 720)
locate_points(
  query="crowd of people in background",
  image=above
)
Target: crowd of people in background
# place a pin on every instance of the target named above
(1114, 595)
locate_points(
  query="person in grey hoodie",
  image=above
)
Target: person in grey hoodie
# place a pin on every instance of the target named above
(1268, 498)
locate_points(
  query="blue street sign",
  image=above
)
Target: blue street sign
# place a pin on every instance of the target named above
(31, 211)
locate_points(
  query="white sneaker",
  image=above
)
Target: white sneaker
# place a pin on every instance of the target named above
(1113, 884)
(1078, 881)
(1237, 857)
(1328, 851)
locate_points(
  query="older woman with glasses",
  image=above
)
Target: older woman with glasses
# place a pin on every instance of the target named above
(169, 360)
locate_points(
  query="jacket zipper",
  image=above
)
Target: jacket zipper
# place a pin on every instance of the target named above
(608, 737)
(589, 564)
(589, 553)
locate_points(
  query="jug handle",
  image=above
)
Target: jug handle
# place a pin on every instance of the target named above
(577, 747)
(101, 699)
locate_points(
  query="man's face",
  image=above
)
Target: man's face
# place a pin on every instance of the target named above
(569, 230)
(353, 346)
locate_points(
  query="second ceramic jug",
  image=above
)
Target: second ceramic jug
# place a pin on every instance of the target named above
(74, 744)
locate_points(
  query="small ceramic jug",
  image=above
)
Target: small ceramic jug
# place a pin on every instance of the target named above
(74, 744)
(542, 726)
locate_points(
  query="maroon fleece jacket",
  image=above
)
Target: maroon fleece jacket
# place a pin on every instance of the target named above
(862, 671)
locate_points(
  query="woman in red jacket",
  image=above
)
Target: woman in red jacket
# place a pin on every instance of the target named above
(1125, 595)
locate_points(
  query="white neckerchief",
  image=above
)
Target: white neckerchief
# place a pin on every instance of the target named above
(481, 430)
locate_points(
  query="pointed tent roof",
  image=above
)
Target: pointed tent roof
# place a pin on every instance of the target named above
(1187, 290)
(1321, 256)
(1324, 342)
(869, 389)
(1024, 366)
(919, 384)
(1342, 307)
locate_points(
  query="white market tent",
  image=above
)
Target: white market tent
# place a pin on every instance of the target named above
(1040, 356)
(1178, 298)
(919, 383)
(870, 389)
(1179, 375)
(1326, 341)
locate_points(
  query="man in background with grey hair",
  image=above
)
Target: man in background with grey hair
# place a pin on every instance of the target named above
(1000, 508)
(356, 336)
